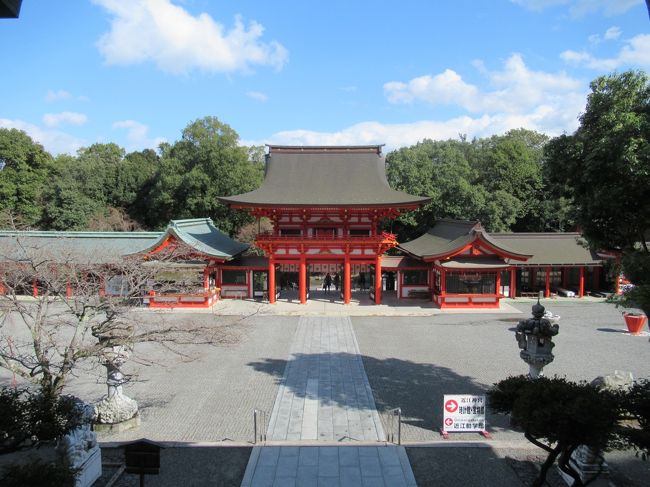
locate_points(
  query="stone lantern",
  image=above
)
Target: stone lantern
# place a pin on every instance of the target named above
(535, 339)
(115, 407)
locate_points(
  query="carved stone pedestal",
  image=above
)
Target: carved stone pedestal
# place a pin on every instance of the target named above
(115, 409)
(588, 464)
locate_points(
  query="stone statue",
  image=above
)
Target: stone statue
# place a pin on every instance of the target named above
(116, 407)
(535, 339)
(79, 450)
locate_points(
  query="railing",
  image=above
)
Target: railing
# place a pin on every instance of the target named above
(330, 238)
(259, 426)
(188, 300)
(394, 423)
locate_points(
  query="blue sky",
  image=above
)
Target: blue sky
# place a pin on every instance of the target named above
(136, 72)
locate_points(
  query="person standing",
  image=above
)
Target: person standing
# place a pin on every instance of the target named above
(328, 282)
(337, 281)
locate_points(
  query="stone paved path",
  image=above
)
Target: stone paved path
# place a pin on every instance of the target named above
(325, 395)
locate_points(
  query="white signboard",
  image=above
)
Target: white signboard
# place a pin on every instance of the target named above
(463, 413)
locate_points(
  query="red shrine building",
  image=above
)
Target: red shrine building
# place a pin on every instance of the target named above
(326, 205)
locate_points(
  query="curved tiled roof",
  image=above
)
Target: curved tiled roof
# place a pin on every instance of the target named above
(447, 237)
(106, 247)
(87, 247)
(201, 235)
(352, 176)
(551, 248)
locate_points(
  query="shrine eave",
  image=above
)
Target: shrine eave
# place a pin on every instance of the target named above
(318, 176)
(449, 238)
(329, 206)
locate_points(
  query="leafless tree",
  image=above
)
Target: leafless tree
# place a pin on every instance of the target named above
(61, 305)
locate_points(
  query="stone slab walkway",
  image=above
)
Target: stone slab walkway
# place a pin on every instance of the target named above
(325, 393)
(345, 466)
(325, 396)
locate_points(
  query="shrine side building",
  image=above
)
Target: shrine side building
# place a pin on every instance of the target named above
(327, 205)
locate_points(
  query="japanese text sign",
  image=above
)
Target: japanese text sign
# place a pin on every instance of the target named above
(463, 413)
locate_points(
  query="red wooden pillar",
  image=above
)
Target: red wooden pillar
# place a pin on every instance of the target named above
(34, 288)
(346, 280)
(68, 290)
(302, 279)
(102, 286)
(581, 282)
(443, 285)
(271, 280)
(498, 284)
(206, 279)
(3, 289)
(513, 282)
(378, 280)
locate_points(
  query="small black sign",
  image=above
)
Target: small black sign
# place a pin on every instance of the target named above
(142, 457)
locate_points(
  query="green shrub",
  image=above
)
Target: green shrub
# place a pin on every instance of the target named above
(28, 417)
(38, 474)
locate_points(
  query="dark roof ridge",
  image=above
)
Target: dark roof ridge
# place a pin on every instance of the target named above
(324, 148)
(458, 221)
(535, 234)
(188, 222)
(78, 234)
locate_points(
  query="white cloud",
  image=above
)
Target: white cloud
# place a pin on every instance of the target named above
(59, 95)
(67, 118)
(444, 89)
(257, 96)
(137, 135)
(612, 33)
(635, 53)
(54, 141)
(543, 118)
(517, 97)
(178, 42)
(515, 89)
(56, 95)
(580, 8)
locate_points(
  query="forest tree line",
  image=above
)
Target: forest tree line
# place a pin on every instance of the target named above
(519, 181)
(499, 180)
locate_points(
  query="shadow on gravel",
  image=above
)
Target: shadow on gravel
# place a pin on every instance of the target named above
(469, 467)
(183, 466)
(416, 388)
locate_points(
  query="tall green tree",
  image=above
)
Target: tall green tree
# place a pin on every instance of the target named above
(497, 180)
(101, 188)
(24, 166)
(83, 187)
(604, 167)
(510, 169)
(206, 163)
(441, 171)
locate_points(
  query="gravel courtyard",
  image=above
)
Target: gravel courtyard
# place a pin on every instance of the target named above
(205, 395)
(411, 362)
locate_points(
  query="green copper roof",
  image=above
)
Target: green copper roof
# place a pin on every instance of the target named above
(106, 247)
(203, 236)
(89, 247)
(352, 176)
